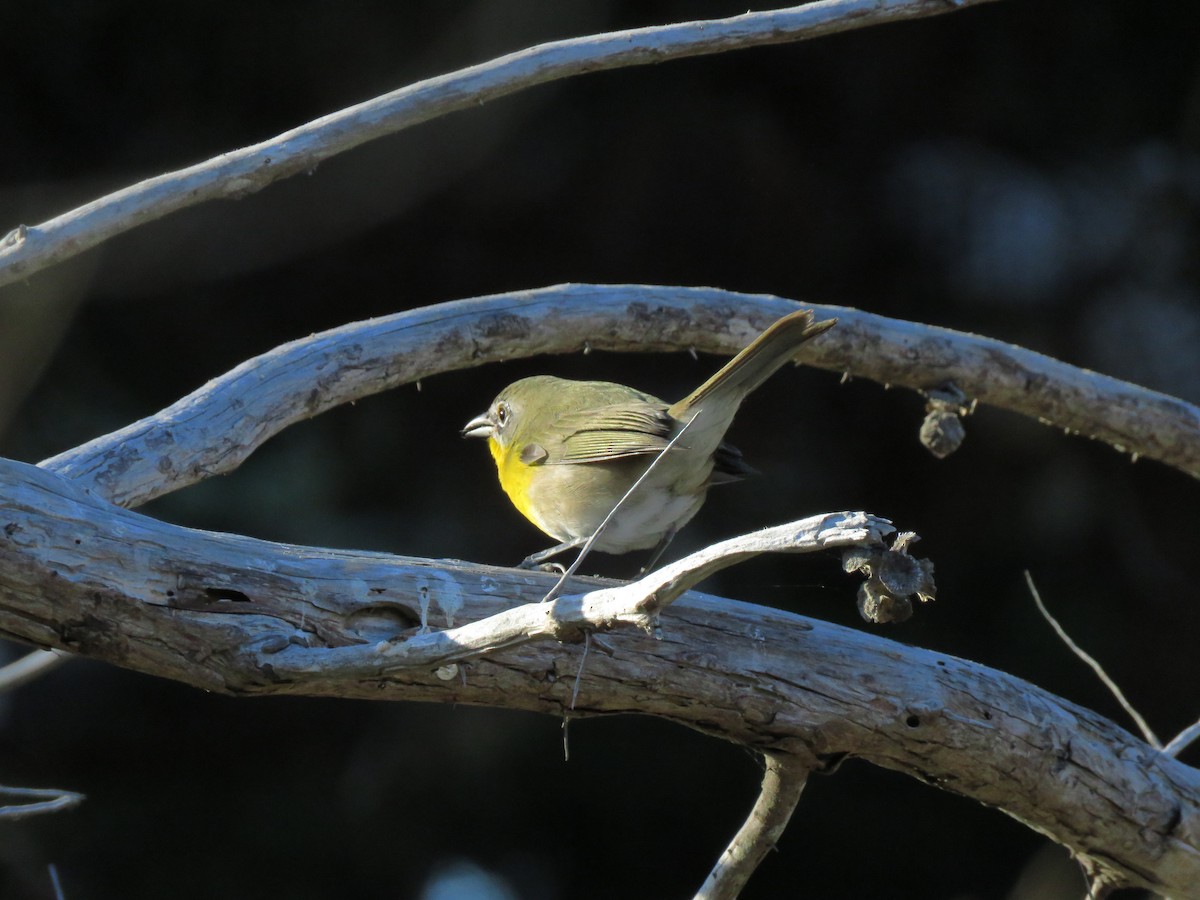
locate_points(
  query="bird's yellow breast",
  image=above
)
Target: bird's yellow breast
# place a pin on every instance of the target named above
(516, 478)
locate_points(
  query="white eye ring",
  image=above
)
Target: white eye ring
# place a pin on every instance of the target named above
(501, 414)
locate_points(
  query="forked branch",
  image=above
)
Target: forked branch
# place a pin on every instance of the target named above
(240, 616)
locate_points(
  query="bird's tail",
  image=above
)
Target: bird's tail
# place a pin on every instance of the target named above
(723, 393)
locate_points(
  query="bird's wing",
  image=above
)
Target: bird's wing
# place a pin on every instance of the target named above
(613, 432)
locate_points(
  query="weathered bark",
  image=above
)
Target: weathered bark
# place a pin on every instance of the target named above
(214, 429)
(232, 614)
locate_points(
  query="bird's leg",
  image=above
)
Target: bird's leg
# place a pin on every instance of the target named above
(658, 551)
(534, 560)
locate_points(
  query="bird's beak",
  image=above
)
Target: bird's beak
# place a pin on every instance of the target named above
(478, 427)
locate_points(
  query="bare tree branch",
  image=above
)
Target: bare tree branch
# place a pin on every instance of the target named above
(26, 250)
(241, 616)
(215, 428)
(55, 884)
(1113, 688)
(637, 603)
(30, 666)
(782, 785)
(1183, 740)
(247, 617)
(39, 801)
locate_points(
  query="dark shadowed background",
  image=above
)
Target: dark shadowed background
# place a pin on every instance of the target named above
(1027, 170)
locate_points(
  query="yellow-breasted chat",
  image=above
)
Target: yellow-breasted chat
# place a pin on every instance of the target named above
(568, 451)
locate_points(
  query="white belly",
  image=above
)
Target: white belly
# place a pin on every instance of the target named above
(568, 508)
(642, 521)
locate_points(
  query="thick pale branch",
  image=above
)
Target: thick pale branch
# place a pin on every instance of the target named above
(27, 250)
(214, 429)
(567, 618)
(211, 610)
(782, 784)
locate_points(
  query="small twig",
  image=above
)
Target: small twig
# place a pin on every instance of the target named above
(1147, 732)
(1183, 740)
(55, 883)
(1098, 884)
(574, 567)
(46, 800)
(29, 667)
(777, 799)
(587, 640)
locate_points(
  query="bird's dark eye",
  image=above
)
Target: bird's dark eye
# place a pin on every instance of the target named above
(501, 414)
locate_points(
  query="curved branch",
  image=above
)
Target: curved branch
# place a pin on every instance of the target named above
(27, 250)
(782, 784)
(215, 428)
(214, 611)
(37, 801)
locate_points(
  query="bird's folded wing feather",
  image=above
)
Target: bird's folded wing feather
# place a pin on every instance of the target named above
(613, 432)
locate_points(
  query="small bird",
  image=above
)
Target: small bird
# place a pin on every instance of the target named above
(568, 451)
